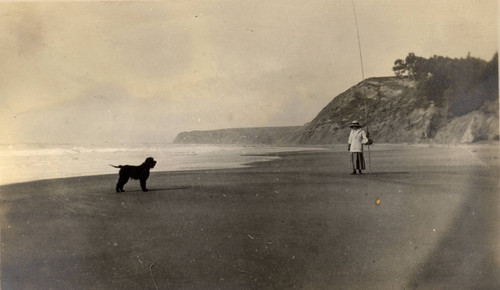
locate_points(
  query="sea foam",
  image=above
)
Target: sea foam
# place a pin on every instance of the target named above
(28, 162)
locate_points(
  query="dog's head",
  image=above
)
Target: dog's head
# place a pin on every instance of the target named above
(150, 162)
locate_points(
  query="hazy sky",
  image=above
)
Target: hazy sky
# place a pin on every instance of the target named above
(108, 72)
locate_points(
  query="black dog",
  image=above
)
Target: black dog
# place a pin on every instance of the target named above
(140, 172)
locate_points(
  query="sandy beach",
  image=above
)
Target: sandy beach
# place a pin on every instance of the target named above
(300, 221)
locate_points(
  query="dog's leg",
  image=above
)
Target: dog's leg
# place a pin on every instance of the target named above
(143, 184)
(121, 182)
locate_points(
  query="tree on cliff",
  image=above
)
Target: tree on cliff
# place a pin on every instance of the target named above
(446, 81)
(484, 90)
(413, 66)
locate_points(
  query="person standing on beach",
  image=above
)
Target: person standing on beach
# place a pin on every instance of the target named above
(357, 138)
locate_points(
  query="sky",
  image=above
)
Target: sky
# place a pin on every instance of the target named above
(134, 72)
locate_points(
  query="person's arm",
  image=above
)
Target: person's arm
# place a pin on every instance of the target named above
(364, 139)
(349, 142)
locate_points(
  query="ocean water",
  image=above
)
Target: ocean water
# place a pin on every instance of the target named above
(28, 162)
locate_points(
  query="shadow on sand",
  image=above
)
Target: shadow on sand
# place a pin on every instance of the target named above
(155, 189)
(171, 188)
(386, 173)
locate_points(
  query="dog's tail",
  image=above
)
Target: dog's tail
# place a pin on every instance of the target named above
(119, 166)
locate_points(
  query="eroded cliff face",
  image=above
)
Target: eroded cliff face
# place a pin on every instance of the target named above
(389, 110)
(480, 125)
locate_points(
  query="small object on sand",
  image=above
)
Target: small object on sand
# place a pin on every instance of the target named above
(250, 236)
(377, 202)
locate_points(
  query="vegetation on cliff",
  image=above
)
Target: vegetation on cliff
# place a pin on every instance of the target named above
(460, 85)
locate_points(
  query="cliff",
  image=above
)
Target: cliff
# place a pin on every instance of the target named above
(396, 114)
(392, 107)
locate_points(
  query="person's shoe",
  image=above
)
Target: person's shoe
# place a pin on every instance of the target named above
(360, 172)
(353, 173)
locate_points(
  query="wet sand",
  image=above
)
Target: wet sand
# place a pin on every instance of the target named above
(300, 221)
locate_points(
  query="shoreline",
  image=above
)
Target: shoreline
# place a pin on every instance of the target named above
(62, 162)
(306, 148)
